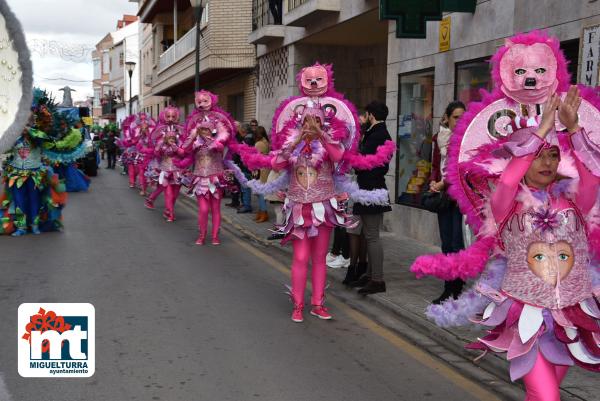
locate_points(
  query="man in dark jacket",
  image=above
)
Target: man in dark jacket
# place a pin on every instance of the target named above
(110, 144)
(371, 216)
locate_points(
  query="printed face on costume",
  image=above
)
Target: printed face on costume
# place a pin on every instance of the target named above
(306, 176)
(203, 101)
(314, 81)
(528, 73)
(543, 169)
(548, 261)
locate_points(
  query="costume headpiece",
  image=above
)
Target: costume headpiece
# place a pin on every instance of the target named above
(16, 87)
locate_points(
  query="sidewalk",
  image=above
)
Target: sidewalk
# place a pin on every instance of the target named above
(405, 301)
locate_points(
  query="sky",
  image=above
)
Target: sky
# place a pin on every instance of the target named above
(71, 26)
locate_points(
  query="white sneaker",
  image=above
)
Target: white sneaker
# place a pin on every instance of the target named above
(330, 258)
(339, 262)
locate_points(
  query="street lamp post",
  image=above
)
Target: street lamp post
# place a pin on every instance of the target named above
(130, 66)
(198, 8)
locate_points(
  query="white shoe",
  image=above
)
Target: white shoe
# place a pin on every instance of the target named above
(330, 258)
(339, 262)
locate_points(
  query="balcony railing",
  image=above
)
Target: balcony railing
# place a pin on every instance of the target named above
(295, 4)
(262, 14)
(177, 51)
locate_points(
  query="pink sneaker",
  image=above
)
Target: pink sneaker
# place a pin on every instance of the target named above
(321, 312)
(149, 204)
(201, 239)
(216, 241)
(297, 314)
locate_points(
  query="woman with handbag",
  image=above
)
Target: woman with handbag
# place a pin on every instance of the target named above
(449, 216)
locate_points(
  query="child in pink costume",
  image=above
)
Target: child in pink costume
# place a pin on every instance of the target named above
(165, 170)
(209, 130)
(314, 141)
(145, 151)
(531, 196)
(135, 129)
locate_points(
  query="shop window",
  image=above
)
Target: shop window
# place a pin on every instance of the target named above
(471, 77)
(415, 121)
(571, 50)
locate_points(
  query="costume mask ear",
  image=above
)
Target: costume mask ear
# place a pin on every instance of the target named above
(16, 91)
(314, 80)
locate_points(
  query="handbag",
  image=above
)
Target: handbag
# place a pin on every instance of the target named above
(436, 202)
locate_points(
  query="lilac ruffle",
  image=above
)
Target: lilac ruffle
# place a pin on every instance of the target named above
(586, 151)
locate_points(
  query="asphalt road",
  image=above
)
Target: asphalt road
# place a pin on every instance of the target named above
(176, 321)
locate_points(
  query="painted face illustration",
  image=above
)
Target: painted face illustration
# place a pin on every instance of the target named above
(549, 261)
(314, 81)
(306, 176)
(528, 73)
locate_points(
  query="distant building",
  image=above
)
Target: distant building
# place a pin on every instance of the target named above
(227, 60)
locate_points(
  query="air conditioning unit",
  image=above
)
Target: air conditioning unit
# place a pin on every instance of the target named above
(148, 80)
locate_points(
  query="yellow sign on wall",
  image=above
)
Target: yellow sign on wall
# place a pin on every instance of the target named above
(445, 34)
(88, 121)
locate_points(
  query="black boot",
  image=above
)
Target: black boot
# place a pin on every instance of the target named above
(372, 287)
(350, 275)
(451, 289)
(354, 273)
(457, 287)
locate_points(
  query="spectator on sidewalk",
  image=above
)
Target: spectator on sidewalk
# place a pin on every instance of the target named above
(339, 256)
(449, 219)
(235, 193)
(246, 137)
(371, 216)
(358, 246)
(262, 145)
(110, 145)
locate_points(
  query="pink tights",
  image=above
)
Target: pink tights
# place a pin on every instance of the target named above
(315, 249)
(543, 381)
(159, 189)
(171, 194)
(132, 170)
(142, 177)
(208, 203)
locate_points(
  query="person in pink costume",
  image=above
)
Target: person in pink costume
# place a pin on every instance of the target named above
(525, 169)
(209, 131)
(145, 153)
(166, 170)
(314, 141)
(134, 129)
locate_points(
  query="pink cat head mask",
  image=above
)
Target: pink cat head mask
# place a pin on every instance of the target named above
(530, 67)
(314, 80)
(204, 100)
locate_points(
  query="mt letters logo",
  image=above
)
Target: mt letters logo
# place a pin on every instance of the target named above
(56, 340)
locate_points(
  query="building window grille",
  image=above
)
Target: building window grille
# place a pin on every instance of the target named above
(273, 72)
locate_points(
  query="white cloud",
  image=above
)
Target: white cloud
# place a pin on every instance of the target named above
(74, 23)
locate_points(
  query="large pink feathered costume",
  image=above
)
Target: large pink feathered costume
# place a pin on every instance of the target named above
(136, 128)
(165, 169)
(314, 176)
(536, 249)
(209, 131)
